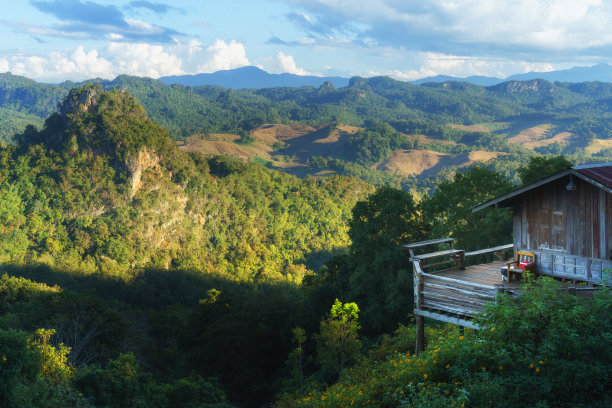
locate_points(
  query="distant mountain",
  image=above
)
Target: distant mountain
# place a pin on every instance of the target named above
(600, 72)
(253, 78)
(476, 80)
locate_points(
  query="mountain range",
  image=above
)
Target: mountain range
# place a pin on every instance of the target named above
(383, 131)
(252, 77)
(256, 78)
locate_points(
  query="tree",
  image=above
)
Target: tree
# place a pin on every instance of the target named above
(381, 280)
(449, 210)
(296, 360)
(19, 364)
(338, 342)
(540, 167)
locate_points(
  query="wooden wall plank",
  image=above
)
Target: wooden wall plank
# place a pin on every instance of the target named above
(585, 223)
(602, 224)
(571, 218)
(525, 227)
(608, 233)
(517, 228)
(577, 222)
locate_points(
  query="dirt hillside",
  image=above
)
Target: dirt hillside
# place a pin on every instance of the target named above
(427, 162)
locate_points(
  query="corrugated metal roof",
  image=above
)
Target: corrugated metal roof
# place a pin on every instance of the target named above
(602, 173)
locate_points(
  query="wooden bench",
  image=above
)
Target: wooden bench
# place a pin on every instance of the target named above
(524, 261)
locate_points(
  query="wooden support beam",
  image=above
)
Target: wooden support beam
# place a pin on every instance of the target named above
(499, 290)
(447, 319)
(453, 308)
(418, 300)
(420, 334)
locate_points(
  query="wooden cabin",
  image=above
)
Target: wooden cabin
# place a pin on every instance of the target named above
(566, 221)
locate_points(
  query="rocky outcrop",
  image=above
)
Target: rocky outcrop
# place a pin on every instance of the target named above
(137, 164)
(83, 101)
(513, 87)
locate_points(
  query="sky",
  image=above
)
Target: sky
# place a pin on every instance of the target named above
(58, 40)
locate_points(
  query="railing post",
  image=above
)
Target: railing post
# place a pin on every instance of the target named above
(499, 290)
(418, 302)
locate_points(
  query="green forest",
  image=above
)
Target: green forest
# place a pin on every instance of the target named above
(135, 274)
(454, 117)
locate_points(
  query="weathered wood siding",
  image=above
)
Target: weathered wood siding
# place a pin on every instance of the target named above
(570, 230)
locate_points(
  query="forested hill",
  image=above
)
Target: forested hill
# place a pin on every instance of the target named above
(121, 245)
(101, 186)
(384, 131)
(193, 110)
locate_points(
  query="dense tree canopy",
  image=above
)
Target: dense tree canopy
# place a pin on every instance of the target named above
(540, 167)
(449, 210)
(381, 281)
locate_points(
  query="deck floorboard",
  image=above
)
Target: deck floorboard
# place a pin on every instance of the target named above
(484, 274)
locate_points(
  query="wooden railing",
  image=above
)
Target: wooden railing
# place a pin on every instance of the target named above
(447, 299)
(456, 301)
(559, 264)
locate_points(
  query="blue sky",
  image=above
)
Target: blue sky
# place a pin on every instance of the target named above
(56, 40)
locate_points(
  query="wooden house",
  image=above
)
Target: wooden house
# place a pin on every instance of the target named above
(566, 221)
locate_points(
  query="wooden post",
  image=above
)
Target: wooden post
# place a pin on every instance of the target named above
(420, 320)
(571, 290)
(420, 334)
(499, 290)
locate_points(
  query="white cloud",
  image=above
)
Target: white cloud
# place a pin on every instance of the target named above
(193, 47)
(57, 66)
(222, 56)
(471, 27)
(281, 63)
(128, 58)
(4, 65)
(144, 60)
(432, 64)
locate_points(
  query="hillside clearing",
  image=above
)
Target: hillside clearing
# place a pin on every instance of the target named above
(427, 162)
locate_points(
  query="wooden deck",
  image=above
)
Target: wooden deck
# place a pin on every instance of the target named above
(483, 274)
(456, 294)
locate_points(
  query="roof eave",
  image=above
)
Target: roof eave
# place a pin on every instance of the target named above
(594, 182)
(523, 189)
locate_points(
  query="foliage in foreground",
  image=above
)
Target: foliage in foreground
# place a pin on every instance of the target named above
(533, 352)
